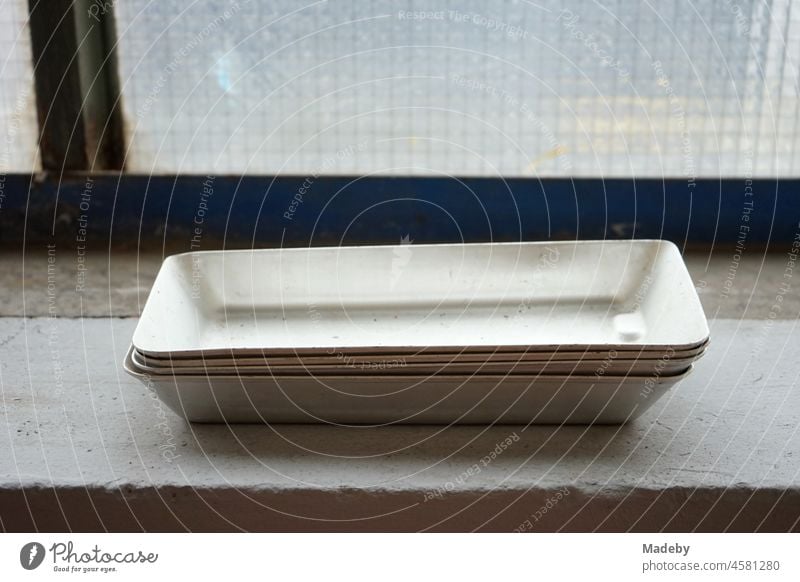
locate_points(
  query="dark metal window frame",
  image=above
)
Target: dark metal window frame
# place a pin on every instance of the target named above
(77, 96)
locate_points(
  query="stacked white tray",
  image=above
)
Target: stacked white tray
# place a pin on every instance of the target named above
(557, 332)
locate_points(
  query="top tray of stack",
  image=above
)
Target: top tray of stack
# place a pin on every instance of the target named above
(574, 298)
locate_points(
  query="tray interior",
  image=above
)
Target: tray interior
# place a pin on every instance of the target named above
(514, 294)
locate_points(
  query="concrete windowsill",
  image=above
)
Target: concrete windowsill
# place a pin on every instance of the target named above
(85, 447)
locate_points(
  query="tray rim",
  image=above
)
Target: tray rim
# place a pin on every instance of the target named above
(581, 366)
(520, 356)
(132, 369)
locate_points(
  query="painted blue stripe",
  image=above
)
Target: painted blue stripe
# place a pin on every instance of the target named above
(296, 211)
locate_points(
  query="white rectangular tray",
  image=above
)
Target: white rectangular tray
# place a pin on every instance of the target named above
(380, 400)
(418, 357)
(623, 295)
(423, 356)
(610, 366)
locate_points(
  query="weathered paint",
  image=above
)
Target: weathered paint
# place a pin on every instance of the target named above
(300, 210)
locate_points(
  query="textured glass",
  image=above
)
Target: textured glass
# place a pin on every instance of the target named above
(18, 124)
(575, 88)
